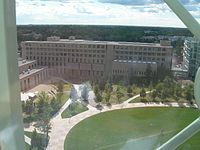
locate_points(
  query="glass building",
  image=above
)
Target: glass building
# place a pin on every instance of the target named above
(191, 56)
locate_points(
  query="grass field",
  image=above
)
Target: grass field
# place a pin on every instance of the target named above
(129, 129)
(74, 110)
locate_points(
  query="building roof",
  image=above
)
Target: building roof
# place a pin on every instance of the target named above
(80, 41)
(135, 62)
(30, 72)
(25, 62)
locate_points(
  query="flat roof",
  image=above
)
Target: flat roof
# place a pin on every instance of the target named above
(25, 62)
(31, 72)
(133, 61)
(62, 41)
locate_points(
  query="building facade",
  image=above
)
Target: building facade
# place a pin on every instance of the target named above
(81, 60)
(191, 56)
(30, 74)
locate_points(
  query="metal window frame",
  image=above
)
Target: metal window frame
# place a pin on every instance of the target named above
(11, 124)
(194, 127)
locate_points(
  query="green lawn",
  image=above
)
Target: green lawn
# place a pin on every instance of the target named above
(64, 98)
(27, 146)
(73, 110)
(129, 129)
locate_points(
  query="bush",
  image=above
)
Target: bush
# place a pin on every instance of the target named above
(109, 105)
(144, 100)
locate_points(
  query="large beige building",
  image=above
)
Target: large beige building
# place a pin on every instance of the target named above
(30, 74)
(82, 60)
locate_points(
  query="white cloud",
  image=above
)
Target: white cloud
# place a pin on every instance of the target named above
(94, 12)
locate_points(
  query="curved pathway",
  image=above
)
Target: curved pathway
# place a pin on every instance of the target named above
(61, 127)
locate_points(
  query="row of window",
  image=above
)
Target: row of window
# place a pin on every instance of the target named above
(65, 50)
(65, 45)
(80, 72)
(139, 58)
(88, 61)
(140, 73)
(139, 53)
(140, 48)
(66, 54)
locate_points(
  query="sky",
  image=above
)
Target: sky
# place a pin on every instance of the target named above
(102, 12)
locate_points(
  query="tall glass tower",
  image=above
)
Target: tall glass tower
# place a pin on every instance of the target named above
(191, 56)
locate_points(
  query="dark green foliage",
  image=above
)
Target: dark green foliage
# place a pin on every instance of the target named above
(129, 91)
(60, 87)
(154, 94)
(96, 89)
(108, 87)
(84, 93)
(91, 32)
(73, 109)
(36, 141)
(189, 93)
(143, 93)
(107, 97)
(28, 107)
(119, 95)
(98, 97)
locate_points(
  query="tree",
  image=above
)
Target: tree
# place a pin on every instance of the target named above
(154, 95)
(119, 95)
(159, 89)
(43, 100)
(29, 107)
(129, 91)
(108, 88)
(96, 89)
(107, 97)
(60, 87)
(45, 123)
(189, 93)
(55, 105)
(143, 93)
(34, 139)
(98, 97)
(178, 90)
(44, 112)
(84, 93)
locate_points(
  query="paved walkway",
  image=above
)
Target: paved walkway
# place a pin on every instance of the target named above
(27, 139)
(61, 127)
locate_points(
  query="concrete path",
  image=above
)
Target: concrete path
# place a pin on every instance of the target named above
(134, 97)
(27, 140)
